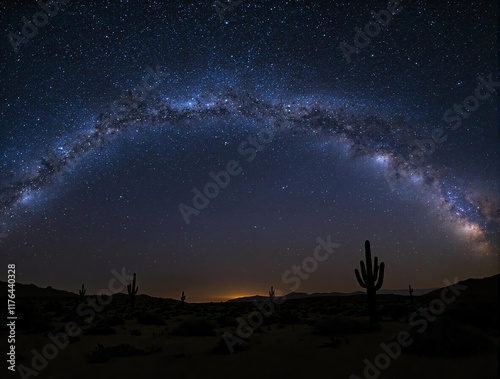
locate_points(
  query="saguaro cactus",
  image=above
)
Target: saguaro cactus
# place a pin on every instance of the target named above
(82, 293)
(183, 297)
(272, 294)
(372, 277)
(410, 290)
(132, 291)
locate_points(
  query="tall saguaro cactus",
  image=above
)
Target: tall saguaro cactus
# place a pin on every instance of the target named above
(272, 294)
(410, 290)
(183, 298)
(372, 277)
(132, 291)
(82, 293)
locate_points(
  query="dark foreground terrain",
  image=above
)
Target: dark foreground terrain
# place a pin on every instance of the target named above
(304, 338)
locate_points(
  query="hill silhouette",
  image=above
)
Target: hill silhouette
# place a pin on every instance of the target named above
(484, 288)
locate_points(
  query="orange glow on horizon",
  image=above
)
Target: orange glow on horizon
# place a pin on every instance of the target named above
(224, 297)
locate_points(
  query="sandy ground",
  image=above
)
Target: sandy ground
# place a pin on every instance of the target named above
(289, 352)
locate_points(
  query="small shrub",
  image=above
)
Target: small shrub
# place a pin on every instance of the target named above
(72, 316)
(102, 354)
(226, 321)
(31, 320)
(342, 325)
(113, 321)
(222, 347)
(74, 339)
(395, 311)
(149, 318)
(52, 306)
(135, 332)
(288, 317)
(448, 338)
(195, 327)
(336, 342)
(480, 314)
(100, 330)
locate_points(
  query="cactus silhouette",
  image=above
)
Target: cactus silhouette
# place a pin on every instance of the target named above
(272, 294)
(372, 277)
(132, 291)
(183, 297)
(82, 293)
(410, 290)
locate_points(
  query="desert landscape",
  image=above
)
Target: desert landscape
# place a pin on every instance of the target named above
(192, 189)
(302, 337)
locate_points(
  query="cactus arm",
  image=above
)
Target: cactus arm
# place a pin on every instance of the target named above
(82, 292)
(381, 277)
(132, 291)
(375, 269)
(358, 277)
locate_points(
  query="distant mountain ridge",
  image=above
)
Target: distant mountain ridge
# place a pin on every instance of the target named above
(31, 290)
(303, 295)
(485, 287)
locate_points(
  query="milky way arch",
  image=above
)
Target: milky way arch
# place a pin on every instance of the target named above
(388, 141)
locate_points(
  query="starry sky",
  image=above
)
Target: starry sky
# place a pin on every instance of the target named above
(114, 114)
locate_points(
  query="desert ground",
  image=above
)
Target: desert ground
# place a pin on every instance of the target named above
(313, 337)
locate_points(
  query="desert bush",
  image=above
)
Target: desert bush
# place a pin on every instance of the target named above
(446, 338)
(225, 321)
(234, 313)
(395, 311)
(336, 342)
(31, 320)
(271, 319)
(481, 314)
(342, 325)
(222, 348)
(350, 312)
(288, 317)
(102, 354)
(41, 325)
(73, 316)
(53, 306)
(323, 311)
(100, 330)
(113, 321)
(195, 327)
(148, 318)
(135, 332)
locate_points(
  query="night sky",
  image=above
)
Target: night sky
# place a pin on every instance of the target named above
(318, 145)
